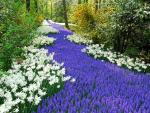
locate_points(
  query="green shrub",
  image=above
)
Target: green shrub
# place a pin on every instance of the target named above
(104, 24)
(16, 31)
(132, 28)
(123, 24)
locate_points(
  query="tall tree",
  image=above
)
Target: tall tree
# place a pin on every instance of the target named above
(36, 5)
(51, 9)
(28, 5)
(85, 1)
(79, 1)
(65, 14)
(96, 5)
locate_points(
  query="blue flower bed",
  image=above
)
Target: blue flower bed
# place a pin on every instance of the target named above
(100, 87)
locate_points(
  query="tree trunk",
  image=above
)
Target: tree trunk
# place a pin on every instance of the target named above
(96, 5)
(65, 14)
(28, 5)
(85, 1)
(51, 10)
(36, 5)
(79, 1)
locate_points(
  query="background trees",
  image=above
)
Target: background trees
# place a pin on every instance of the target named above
(123, 25)
(65, 14)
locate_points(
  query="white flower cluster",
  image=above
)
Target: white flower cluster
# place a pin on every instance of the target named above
(28, 82)
(98, 52)
(45, 23)
(78, 39)
(43, 41)
(46, 30)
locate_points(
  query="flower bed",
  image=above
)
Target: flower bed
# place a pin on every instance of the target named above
(23, 87)
(98, 52)
(79, 40)
(121, 60)
(41, 41)
(45, 30)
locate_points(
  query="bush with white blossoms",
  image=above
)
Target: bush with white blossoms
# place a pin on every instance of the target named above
(98, 52)
(27, 83)
(44, 30)
(43, 41)
(79, 39)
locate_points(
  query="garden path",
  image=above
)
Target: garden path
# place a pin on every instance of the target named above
(100, 87)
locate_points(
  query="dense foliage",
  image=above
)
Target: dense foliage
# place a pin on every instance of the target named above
(17, 30)
(82, 16)
(132, 29)
(123, 25)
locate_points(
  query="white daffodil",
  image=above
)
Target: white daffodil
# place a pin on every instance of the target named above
(42, 41)
(78, 39)
(121, 60)
(73, 80)
(46, 30)
(26, 79)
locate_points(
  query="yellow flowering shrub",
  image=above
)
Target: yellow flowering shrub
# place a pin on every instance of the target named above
(103, 15)
(95, 24)
(40, 18)
(82, 16)
(104, 24)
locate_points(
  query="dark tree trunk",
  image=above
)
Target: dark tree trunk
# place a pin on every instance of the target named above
(28, 5)
(79, 1)
(85, 1)
(65, 14)
(36, 5)
(51, 10)
(96, 5)
(116, 41)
